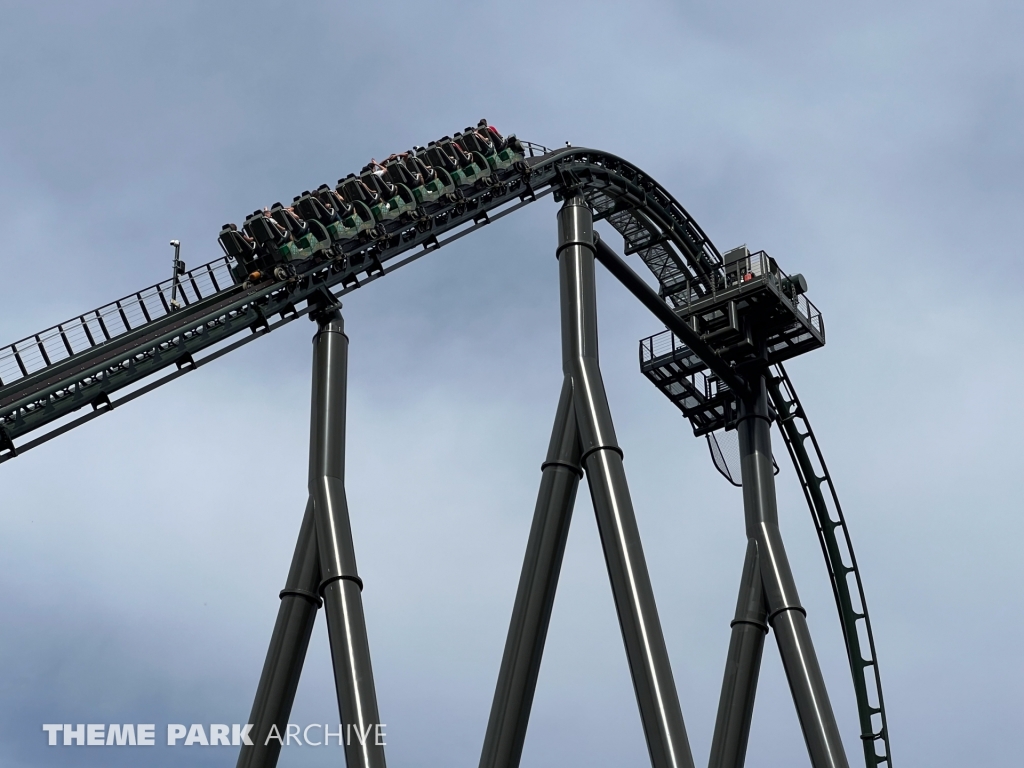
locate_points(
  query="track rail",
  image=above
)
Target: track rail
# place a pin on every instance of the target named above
(841, 562)
(141, 340)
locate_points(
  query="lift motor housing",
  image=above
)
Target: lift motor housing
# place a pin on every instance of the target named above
(748, 292)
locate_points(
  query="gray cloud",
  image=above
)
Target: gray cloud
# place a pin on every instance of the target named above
(874, 149)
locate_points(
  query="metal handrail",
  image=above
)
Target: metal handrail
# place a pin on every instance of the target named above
(535, 150)
(38, 352)
(758, 265)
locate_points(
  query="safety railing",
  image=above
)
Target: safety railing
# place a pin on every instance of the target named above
(660, 345)
(38, 352)
(757, 267)
(535, 150)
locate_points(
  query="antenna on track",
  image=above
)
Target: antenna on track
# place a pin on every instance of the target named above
(179, 269)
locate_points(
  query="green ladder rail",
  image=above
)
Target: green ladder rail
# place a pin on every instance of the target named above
(841, 562)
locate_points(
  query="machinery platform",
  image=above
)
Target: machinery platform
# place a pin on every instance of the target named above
(749, 292)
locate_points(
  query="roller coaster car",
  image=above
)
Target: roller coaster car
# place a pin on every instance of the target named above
(412, 187)
(267, 234)
(424, 182)
(398, 198)
(307, 237)
(475, 145)
(255, 249)
(235, 244)
(354, 216)
(241, 248)
(274, 241)
(501, 143)
(440, 161)
(354, 189)
(491, 145)
(462, 167)
(469, 160)
(419, 163)
(309, 207)
(321, 219)
(328, 209)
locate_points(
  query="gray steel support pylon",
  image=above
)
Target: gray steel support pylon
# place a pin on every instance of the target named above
(642, 635)
(743, 663)
(531, 614)
(785, 614)
(323, 568)
(288, 644)
(340, 585)
(583, 435)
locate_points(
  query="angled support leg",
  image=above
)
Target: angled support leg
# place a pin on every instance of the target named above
(340, 585)
(602, 459)
(520, 664)
(785, 614)
(743, 663)
(276, 691)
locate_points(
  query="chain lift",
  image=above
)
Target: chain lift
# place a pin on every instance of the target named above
(730, 319)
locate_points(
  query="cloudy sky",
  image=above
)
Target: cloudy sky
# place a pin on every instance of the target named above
(875, 150)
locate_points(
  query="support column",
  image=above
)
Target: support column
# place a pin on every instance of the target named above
(288, 644)
(785, 614)
(743, 663)
(602, 459)
(527, 632)
(340, 586)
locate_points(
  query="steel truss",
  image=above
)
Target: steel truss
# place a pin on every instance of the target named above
(140, 341)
